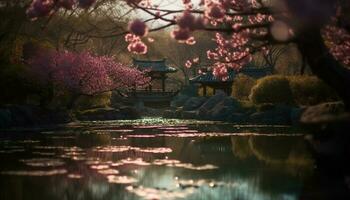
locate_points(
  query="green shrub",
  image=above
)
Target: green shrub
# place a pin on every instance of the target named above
(14, 85)
(242, 86)
(300, 90)
(309, 90)
(247, 105)
(272, 89)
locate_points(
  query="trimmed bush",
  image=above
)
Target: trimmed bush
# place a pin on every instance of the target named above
(242, 86)
(247, 105)
(272, 89)
(300, 90)
(309, 90)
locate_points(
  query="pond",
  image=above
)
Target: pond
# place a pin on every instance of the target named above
(154, 159)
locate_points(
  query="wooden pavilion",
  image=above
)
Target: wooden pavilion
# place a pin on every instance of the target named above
(207, 79)
(154, 96)
(157, 70)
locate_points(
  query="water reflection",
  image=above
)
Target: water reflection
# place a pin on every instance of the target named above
(35, 172)
(141, 161)
(43, 162)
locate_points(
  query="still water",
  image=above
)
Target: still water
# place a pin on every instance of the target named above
(154, 159)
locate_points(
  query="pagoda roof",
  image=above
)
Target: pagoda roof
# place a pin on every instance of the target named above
(208, 77)
(255, 72)
(153, 65)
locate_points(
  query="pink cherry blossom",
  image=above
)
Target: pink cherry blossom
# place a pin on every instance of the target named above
(40, 8)
(216, 12)
(137, 47)
(221, 72)
(338, 41)
(199, 23)
(138, 28)
(84, 73)
(186, 21)
(186, 1)
(131, 38)
(181, 34)
(236, 26)
(191, 41)
(188, 64)
(150, 40)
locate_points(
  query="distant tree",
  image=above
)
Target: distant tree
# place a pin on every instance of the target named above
(83, 73)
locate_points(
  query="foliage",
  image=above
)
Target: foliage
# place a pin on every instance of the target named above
(84, 73)
(272, 89)
(309, 90)
(26, 46)
(242, 86)
(13, 85)
(301, 90)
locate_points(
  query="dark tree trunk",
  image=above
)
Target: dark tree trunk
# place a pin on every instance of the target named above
(303, 65)
(324, 65)
(73, 99)
(47, 95)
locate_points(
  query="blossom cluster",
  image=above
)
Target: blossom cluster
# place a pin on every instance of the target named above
(187, 23)
(84, 73)
(338, 41)
(42, 8)
(232, 51)
(137, 29)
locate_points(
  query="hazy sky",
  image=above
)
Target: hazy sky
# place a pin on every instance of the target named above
(164, 4)
(170, 4)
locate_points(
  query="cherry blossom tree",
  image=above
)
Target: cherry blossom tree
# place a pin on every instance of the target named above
(320, 28)
(84, 73)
